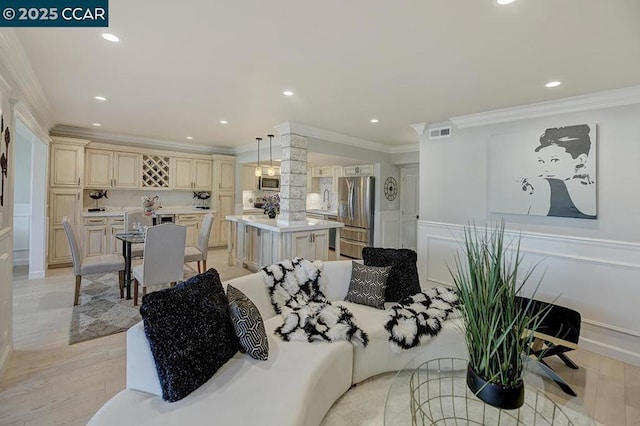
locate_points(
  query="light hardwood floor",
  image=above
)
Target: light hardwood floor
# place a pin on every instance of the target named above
(48, 382)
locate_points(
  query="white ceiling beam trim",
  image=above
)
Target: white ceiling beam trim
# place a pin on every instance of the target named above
(328, 135)
(16, 62)
(414, 147)
(106, 137)
(599, 100)
(419, 127)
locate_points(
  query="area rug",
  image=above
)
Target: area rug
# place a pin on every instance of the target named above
(100, 311)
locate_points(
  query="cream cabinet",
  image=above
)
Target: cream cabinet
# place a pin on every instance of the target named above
(313, 184)
(320, 172)
(256, 247)
(249, 178)
(115, 225)
(192, 222)
(62, 203)
(108, 169)
(225, 172)
(311, 245)
(363, 170)
(95, 236)
(191, 174)
(225, 207)
(67, 162)
(336, 173)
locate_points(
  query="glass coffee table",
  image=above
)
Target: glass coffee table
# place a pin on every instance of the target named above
(436, 393)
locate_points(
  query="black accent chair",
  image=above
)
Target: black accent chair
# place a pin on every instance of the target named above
(557, 333)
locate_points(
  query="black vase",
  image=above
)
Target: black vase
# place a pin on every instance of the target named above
(505, 397)
(272, 214)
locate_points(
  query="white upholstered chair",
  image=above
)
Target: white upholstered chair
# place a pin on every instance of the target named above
(163, 258)
(93, 264)
(131, 219)
(199, 253)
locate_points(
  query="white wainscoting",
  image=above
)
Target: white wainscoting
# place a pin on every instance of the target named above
(21, 229)
(386, 229)
(598, 278)
(6, 297)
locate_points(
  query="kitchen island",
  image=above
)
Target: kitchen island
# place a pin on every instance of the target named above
(257, 241)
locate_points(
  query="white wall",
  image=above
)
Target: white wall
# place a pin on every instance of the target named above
(593, 266)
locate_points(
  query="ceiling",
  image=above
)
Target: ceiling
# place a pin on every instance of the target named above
(181, 67)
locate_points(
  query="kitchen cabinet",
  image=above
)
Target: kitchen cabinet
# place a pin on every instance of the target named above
(109, 169)
(67, 162)
(249, 178)
(62, 203)
(320, 172)
(336, 173)
(363, 170)
(256, 247)
(313, 185)
(156, 171)
(115, 225)
(311, 245)
(95, 236)
(191, 174)
(223, 196)
(192, 222)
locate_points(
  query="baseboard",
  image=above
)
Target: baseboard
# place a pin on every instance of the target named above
(36, 275)
(4, 360)
(610, 351)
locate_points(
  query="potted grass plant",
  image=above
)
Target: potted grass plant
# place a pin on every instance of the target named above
(497, 330)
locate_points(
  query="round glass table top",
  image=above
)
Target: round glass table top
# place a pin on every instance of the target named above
(436, 393)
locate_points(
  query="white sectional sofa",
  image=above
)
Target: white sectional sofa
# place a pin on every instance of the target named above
(296, 386)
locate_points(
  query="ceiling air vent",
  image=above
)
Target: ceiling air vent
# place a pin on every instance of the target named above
(440, 132)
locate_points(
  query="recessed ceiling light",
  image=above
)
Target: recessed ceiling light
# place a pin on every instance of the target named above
(189, 137)
(110, 37)
(287, 93)
(503, 2)
(100, 98)
(224, 122)
(553, 84)
(97, 124)
(374, 120)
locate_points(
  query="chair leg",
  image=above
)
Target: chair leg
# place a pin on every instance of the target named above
(121, 282)
(172, 284)
(199, 271)
(568, 362)
(144, 291)
(204, 265)
(134, 282)
(76, 297)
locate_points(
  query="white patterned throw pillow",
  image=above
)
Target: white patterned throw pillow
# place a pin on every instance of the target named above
(248, 325)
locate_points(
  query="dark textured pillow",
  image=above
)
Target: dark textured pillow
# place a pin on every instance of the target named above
(367, 285)
(190, 333)
(247, 322)
(403, 278)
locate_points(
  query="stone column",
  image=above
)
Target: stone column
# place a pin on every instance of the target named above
(293, 179)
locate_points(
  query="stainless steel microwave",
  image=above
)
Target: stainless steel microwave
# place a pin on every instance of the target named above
(268, 183)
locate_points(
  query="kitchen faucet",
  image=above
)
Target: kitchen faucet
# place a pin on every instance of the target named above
(325, 199)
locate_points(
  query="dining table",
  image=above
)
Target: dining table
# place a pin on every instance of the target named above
(128, 238)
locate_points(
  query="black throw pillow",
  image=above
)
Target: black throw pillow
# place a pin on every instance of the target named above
(403, 278)
(190, 333)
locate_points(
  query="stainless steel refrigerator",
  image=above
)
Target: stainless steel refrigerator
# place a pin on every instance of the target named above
(355, 210)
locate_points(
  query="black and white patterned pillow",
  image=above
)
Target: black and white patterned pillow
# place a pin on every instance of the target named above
(248, 325)
(368, 285)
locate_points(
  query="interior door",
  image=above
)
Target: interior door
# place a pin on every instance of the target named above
(409, 205)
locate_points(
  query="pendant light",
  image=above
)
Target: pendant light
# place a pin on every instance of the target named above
(258, 168)
(270, 171)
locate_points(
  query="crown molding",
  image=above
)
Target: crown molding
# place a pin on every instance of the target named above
(328, 135)
(401, 149)
(4, 86)
(419, 127)
(32, 123)
(17, 64)
(106, 137)
(599, 100)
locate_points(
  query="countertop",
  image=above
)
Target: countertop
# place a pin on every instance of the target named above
(163, 210)
(323, 212)
(263, 222)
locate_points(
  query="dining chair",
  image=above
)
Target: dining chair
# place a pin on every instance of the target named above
(93, 264)
(131, 220)
(199, 253)
(163, 260)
